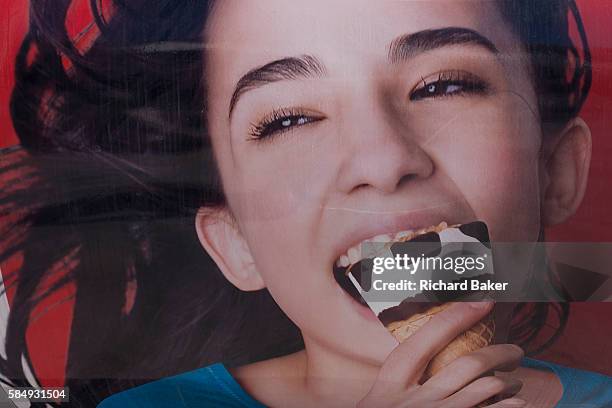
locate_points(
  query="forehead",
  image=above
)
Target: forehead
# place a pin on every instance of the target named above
(243, 34)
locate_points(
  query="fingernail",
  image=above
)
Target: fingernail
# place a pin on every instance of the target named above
(515, 402)
(514, 388)
(482, 305)
(488, 298)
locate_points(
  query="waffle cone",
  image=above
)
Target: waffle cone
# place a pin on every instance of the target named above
(478, 336)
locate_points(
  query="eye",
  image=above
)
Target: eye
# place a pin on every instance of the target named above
(449, 83)
(281, 121)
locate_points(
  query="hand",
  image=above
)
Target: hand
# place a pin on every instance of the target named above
(464, 383)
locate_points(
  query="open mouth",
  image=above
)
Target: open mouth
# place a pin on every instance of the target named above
(441, 241)
(350, 261)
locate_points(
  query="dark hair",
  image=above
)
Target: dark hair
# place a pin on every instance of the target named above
(118, 164)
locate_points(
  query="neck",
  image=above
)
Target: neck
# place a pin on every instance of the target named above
(314, 377)
(336, 378)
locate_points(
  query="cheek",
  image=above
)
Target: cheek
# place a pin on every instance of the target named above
(277, 226)
(491, 154)
(277, 196)
(506, 192)
(278, 185)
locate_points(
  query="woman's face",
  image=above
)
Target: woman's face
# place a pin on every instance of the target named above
(337, 121)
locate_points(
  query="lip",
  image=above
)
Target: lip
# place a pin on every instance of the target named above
(371, 226)
(360, 307)
(378, 224)
(368, 225)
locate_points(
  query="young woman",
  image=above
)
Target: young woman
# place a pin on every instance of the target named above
(205, 165)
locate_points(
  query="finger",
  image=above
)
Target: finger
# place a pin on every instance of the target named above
(465, 369)
(406, 364)
(509, 403)
(482, 389)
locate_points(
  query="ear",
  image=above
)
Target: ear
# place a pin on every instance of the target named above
(566, 171)
(221, 238)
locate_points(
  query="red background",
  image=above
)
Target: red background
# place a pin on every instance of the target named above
(586, 343)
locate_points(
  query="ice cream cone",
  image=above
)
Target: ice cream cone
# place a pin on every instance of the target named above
(477, 337)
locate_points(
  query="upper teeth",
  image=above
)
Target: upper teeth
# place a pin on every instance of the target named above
(354, 254)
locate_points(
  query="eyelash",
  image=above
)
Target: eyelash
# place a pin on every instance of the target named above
(284, 120)
(274, 124)
(439, 86)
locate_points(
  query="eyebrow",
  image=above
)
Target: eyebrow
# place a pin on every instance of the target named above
(400, 49)
(286, 69)
(409, 45)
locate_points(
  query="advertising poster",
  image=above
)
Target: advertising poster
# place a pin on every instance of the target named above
(322, 203)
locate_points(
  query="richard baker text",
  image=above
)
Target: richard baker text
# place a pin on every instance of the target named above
(440, 285)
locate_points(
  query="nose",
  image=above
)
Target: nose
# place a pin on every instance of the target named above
(379, 149)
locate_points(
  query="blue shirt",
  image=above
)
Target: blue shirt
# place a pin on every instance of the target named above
(214, 386)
